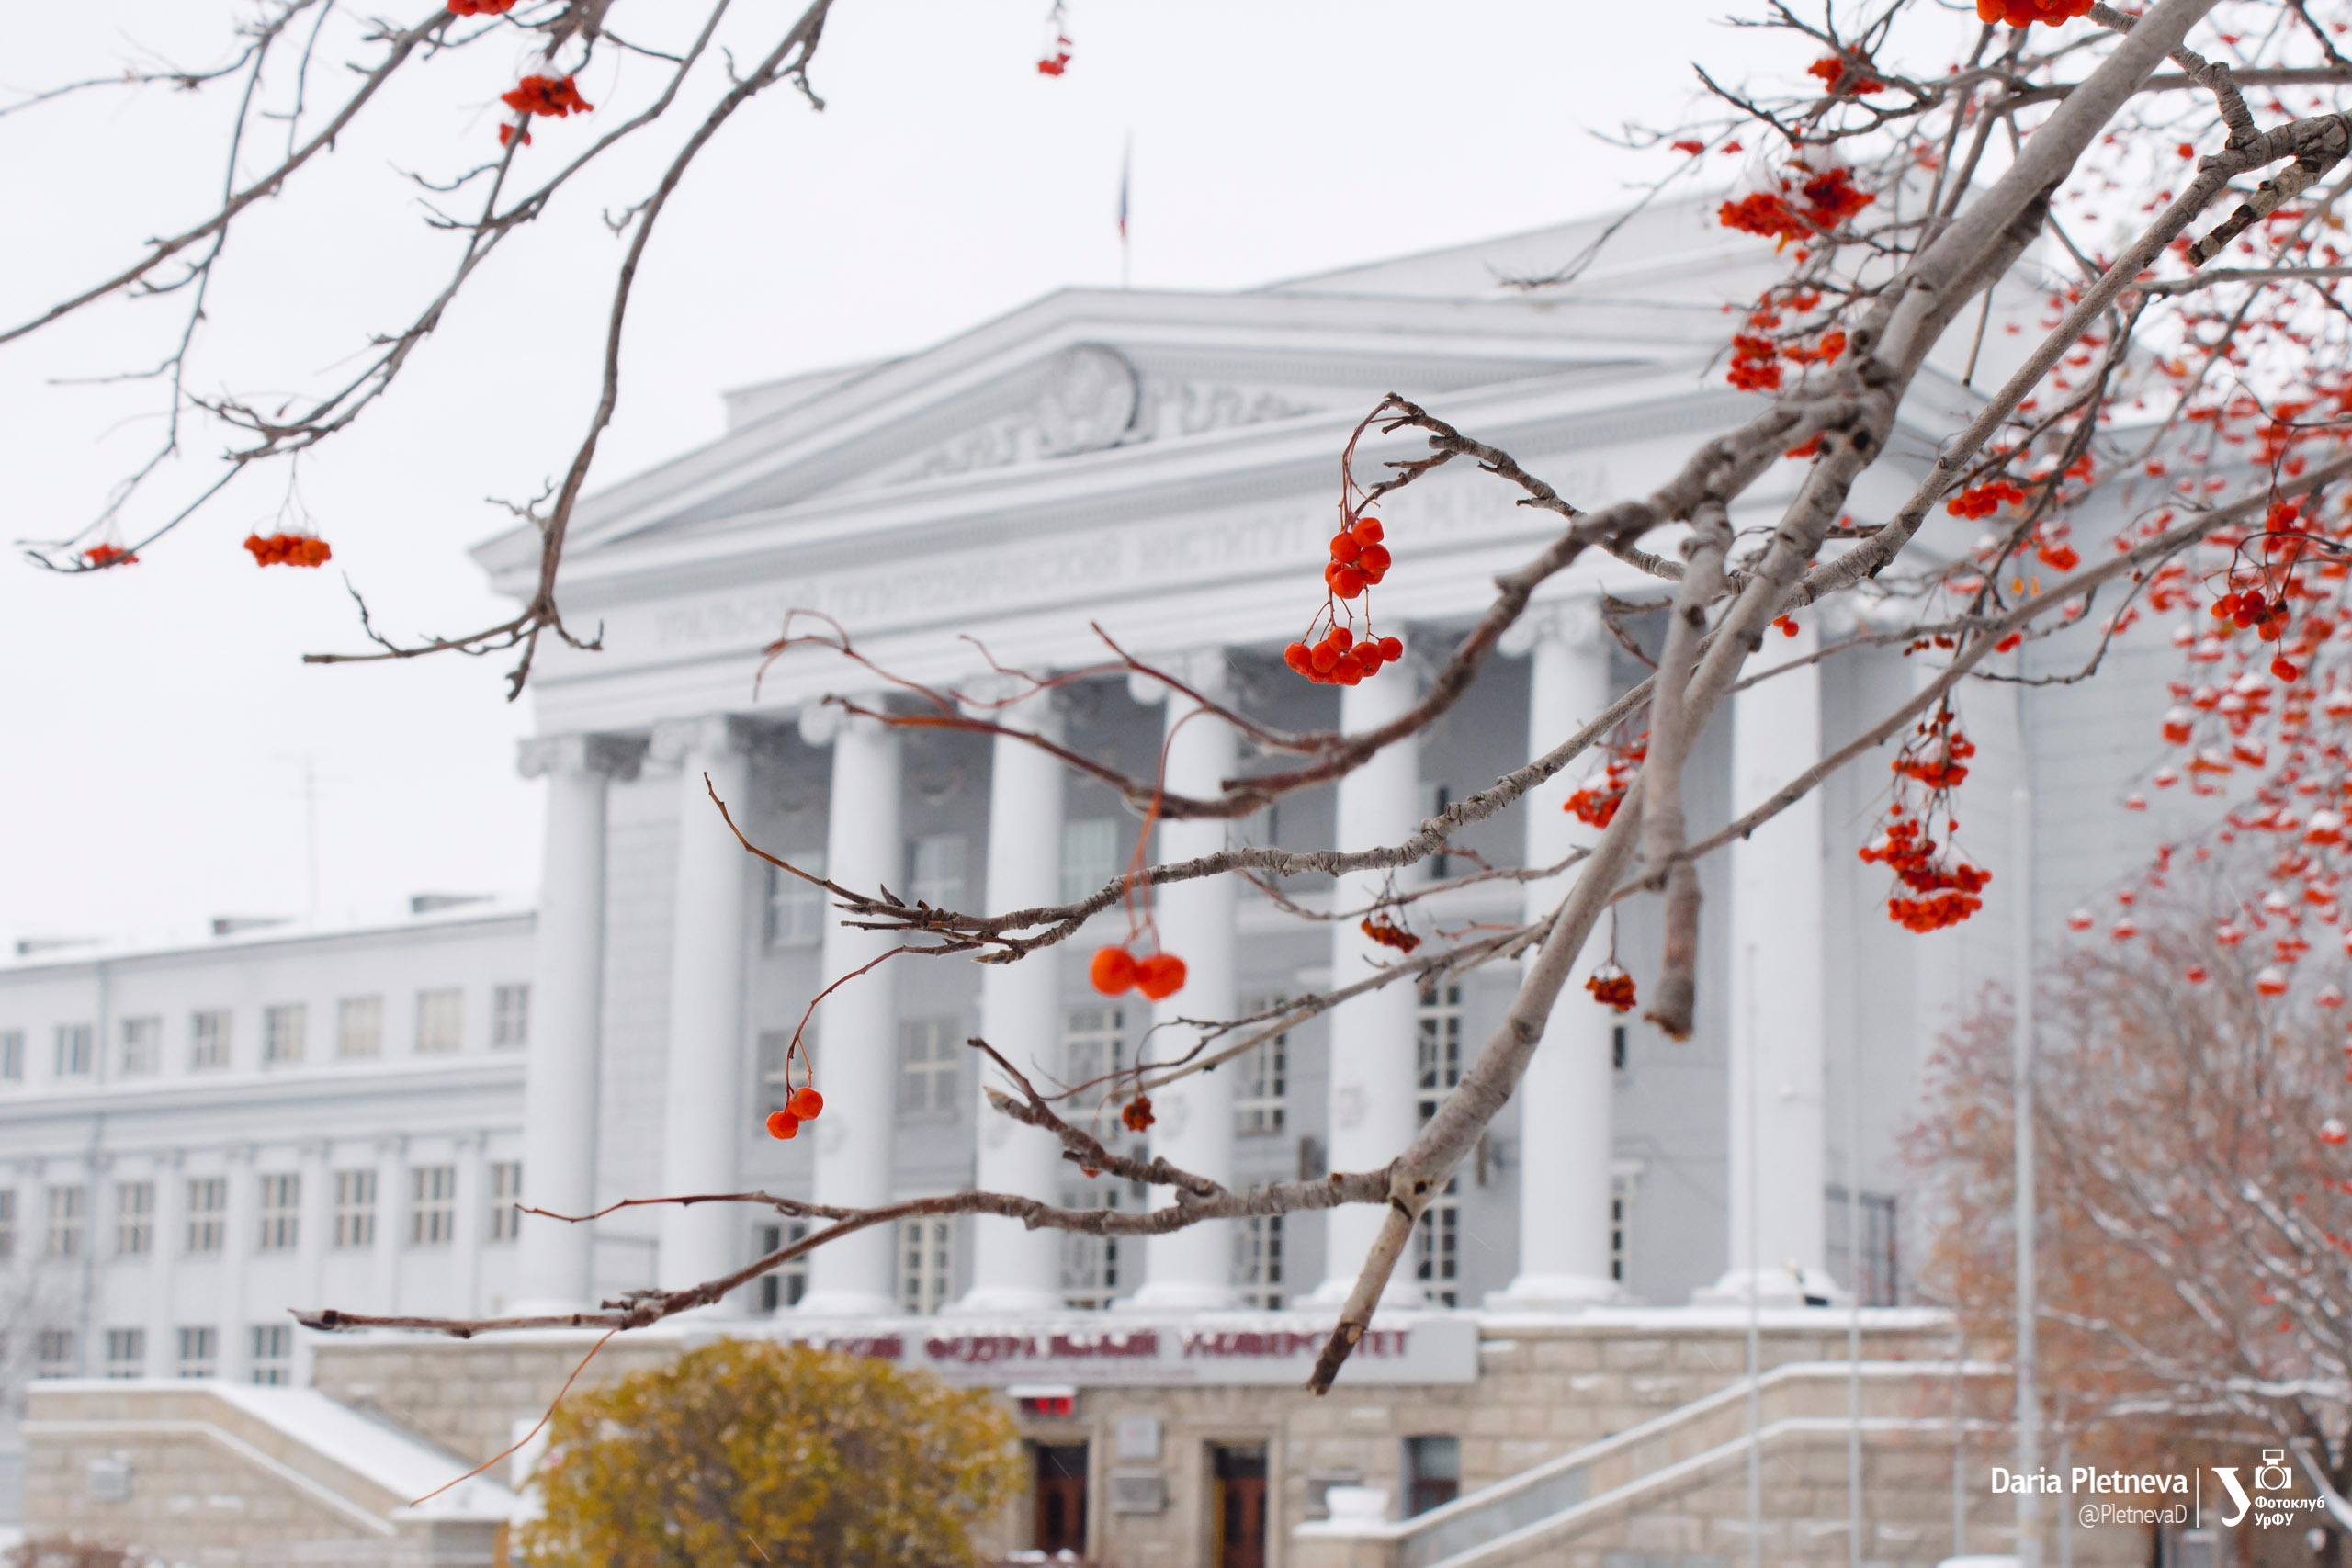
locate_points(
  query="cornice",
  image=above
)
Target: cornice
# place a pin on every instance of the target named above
(374, 1084)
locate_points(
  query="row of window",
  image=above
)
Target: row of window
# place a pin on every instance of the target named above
(430, 1214)
(284, 1034)
(57, 1353)
(932, 1054)
(937, 866)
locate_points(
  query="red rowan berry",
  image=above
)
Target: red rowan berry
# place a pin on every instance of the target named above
(1344, 548)
(1300, 656)
(1368, 531)
(1322, 658)
(108, 555)
(783, 1124)
(1112, 971)
(1136, 1114)
(1347, 581)
(1374, 559)
(805, 1103)
(1160, 976)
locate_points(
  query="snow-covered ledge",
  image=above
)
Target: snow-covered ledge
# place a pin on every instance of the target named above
(1357, 1533)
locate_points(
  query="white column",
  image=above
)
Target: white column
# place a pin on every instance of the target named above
(391, 1219)
(240, 1238)
(702, 1082)
(856, 1029)
(163, 1265)
(474, 1206)
(1373, 1108)
(554, 1271)
(1777, 1164)
(311, 1238)
(1192, 1269)
(1015, 1269)
(1565, 1100)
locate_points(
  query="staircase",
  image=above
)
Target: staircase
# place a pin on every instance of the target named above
(1673, 1492)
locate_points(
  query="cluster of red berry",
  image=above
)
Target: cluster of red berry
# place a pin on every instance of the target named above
(1983, 500)
(1944, 890)
(1821, 202)
(805, 1105)
(1359, 561)
(1596, 804)
(1938, 759)
(552, 96)
(480, 7)
(2025, 12)
(1612, 987)
(1339, 659)
(2249, 607)
(1116, 972)
(1845, 73)
(288, 550)
(1136, 1116)
(1054, 65)
(108, 555)
(1389, 933)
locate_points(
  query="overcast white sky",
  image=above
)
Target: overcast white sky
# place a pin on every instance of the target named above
(155, 724)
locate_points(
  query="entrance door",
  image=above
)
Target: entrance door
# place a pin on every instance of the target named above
(1240, 1506)
(1060, 1490)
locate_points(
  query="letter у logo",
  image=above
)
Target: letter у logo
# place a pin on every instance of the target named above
(2228, 1474)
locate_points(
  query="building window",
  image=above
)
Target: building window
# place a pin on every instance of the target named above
(1874, 1276)
(433, 1205)
(1432, 1473)
(56, 1354)
(7, 1223)
(510, 1016)
(928, 1068)
(273, 1354)
(1439, 1050)
(1090, 1263)
(1261, 1106)
(937, 874)
(355, 1209)
(1258, 1261)
(126, 1352)
(208, 1211)
(207, 1040)
(926, 1264)
(776, 1079)
(12, 1056)
(281, 1210)
(73, 1050)
(359, 1026)
(796, 909)
(1439, 1266)
(134, 1218)
(200, 1352)
(142, 1046)
(440, 1020)
(1094, 1044)
(69, 1221)
(784, 1287)
(506, 1191)
(1090, 856)
(281, 1033)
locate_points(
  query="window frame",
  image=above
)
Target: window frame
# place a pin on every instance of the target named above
(278, 1210)
(206, 1232)
(432, 1206)
(142, 1046)
(134, 1218)
(284, 1030)
(509, 1015)
(77, 1053)
(438, 1005)
(359, 1028)
(506, 1191)
(211, 1037)
(355, 1210)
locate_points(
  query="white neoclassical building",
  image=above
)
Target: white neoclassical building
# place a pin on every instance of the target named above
(1165, 466)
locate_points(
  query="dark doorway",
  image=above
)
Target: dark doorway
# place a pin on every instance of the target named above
(1241, 1503)
(1060, 1490)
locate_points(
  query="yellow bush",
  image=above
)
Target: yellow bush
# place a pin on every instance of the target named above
(747, 1452)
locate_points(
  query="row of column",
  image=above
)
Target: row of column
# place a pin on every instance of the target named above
(1775, 1004)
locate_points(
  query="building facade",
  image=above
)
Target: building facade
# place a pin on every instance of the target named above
(1157, 468)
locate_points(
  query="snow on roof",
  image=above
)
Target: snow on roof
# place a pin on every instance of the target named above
(27, 950)
(397, 1460)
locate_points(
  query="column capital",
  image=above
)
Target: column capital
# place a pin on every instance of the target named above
(1205, 670)
(821, 723)
(675, 741)
(1573, 622)
(615, 756)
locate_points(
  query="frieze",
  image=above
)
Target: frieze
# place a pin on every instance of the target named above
(1268, 1349)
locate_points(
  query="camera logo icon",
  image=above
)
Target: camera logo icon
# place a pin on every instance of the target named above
(2274, 1475)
